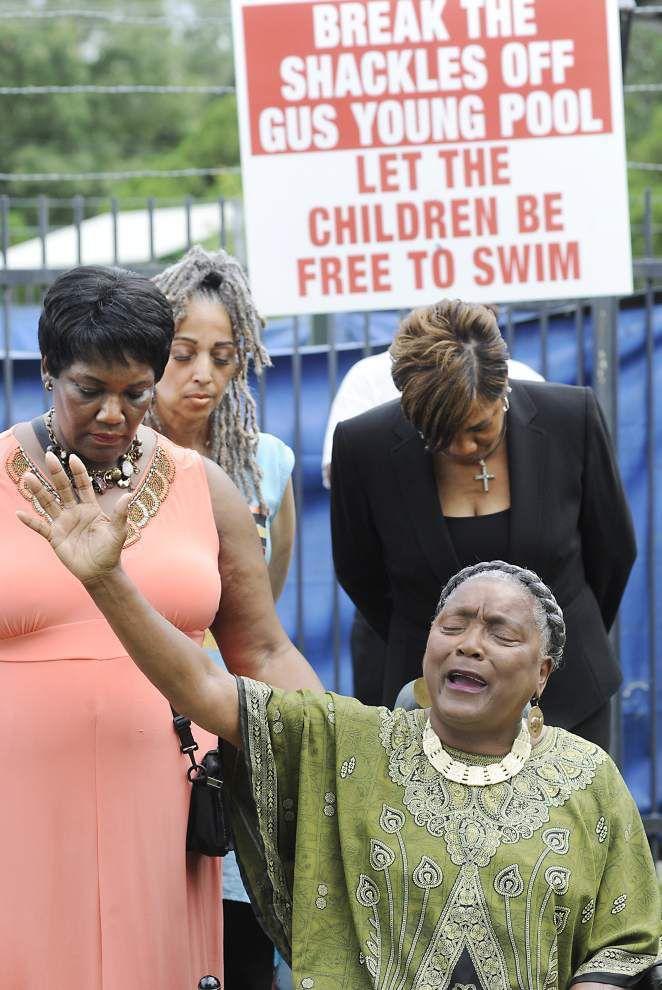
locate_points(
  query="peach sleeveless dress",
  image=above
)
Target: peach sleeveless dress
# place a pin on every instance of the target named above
(97, 891)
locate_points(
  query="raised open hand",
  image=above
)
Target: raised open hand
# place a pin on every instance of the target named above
(87, 541)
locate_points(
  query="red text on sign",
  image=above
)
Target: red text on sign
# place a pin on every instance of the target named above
(337, 276)
(475, 166)
(540, 213)
(523, 263)
(393, 172)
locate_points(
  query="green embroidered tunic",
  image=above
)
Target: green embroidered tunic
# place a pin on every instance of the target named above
(369, 870)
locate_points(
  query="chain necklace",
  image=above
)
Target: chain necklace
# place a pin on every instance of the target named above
(102, 478)
(485, 477)
(477, 776)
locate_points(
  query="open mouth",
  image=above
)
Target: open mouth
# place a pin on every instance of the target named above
(462, 680)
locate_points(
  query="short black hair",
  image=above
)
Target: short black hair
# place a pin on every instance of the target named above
(93, 313)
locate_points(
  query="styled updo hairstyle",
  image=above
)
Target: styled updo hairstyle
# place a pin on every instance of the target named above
(547, 611)
(233, 430)
(445, 358)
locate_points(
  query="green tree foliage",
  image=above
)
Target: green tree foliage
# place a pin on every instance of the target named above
(643, 124)
(95, 132)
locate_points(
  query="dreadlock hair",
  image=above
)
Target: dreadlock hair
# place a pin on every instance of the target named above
(233, 429)
(445, 357)
(547, 611)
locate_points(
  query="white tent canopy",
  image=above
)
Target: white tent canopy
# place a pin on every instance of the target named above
(169, 233)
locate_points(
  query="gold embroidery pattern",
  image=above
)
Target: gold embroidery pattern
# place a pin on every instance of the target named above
(18, 464)
(619, 904)
(149, 497)
(509, 884)
(618, 961)
(382, 857)
(475, 821)
(588, 911)
(465, 923)
(265, 788)
(348, 767)
(277, 723)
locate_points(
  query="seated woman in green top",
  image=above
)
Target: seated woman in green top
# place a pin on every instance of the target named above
(453, 847)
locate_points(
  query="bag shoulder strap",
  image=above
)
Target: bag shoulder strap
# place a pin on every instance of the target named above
(187, 743)
(41, 432)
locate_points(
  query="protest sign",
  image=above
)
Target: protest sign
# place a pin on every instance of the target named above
(397, 151)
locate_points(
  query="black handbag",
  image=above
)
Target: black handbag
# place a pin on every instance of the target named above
(207, 832)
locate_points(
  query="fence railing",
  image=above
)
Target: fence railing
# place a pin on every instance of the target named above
(578, 341)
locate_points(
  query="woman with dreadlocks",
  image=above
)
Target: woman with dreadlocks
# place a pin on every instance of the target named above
(457, 846)
(203, 401)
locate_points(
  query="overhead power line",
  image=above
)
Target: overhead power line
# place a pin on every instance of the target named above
(646, 166)
(147, 173)
(106, 15)
(643, 88)
(181, 173)
(210, 90)
(113, 90)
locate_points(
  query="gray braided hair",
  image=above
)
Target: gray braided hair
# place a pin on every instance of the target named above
(549, 617)
(233, 428)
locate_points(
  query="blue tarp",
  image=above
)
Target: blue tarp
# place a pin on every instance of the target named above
(317, 570)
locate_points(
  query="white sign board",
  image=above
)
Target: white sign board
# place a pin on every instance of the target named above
(398, 151)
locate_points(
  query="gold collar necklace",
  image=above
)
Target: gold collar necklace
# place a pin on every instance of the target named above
(102, 478)
(477, 776)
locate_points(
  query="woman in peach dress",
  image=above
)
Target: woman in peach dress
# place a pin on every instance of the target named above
(98, 891)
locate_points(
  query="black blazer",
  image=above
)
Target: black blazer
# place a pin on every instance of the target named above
(569, 522)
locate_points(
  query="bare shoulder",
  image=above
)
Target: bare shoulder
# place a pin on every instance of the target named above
(228, 504)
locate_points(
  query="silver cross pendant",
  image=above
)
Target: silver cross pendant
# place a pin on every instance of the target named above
(484, 476)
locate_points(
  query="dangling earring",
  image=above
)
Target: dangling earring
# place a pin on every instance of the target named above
(506, 400)
(535, 720)
(48, 384)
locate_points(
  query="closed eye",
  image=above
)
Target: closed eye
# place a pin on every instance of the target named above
(505, 638)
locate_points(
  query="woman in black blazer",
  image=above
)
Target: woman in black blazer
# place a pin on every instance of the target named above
(466, 467)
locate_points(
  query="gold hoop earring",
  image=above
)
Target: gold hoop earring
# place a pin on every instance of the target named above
(535, 720)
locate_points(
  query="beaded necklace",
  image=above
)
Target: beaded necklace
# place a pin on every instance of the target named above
(102, 478)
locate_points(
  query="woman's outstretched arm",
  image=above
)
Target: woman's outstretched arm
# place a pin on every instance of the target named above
(89, 544)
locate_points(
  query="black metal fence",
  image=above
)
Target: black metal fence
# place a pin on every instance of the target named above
(596, 361)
